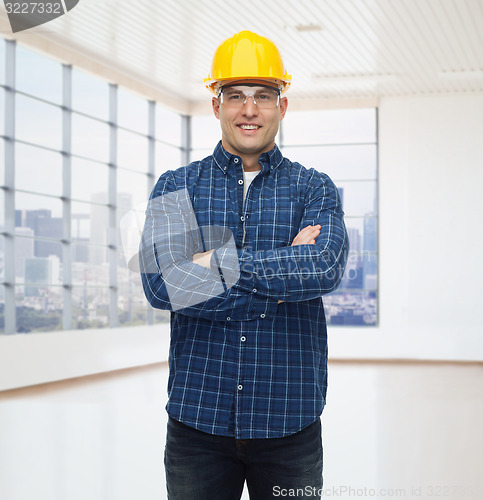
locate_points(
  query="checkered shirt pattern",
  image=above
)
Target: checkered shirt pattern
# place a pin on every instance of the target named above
(242, 363)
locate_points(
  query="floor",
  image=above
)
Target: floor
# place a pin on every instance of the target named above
(390, 430)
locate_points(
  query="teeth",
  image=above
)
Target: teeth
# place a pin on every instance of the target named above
(249, 127)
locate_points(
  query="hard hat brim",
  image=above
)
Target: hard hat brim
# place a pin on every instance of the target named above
(214, 85)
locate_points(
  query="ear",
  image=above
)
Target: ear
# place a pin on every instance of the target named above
(283, 107)
(215, 103)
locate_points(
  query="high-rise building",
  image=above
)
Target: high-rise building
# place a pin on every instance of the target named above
(24, 249)
(44, 226)
(37, 271)
(27, 218)
(42, 272)
(354, 239)
(370, 249)
(99, 233)
(48, 228)
(80, 238)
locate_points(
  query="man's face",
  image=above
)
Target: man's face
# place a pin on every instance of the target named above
(248, 128)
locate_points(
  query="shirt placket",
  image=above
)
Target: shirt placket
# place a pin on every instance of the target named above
(241, 387)
(246, 214)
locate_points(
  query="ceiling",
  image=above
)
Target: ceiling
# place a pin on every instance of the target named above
(339, 52)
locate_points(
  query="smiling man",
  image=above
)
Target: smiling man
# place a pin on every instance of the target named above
(241, 246)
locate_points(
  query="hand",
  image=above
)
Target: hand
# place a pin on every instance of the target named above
(307, 235)
(203, 259)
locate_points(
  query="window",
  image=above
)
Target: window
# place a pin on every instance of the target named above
(343, 144)
(38, 75)
(90, 95)
(73, 170)
(38, 170)
(168, 126)
(2, 61)
(38, 122)
(132, 112)
(2, 253)
(90, 138)
(2, 118)
(206, 133)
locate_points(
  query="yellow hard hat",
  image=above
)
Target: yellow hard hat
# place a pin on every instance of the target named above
(247, 55)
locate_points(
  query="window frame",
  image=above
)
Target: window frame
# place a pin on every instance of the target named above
(119, 282)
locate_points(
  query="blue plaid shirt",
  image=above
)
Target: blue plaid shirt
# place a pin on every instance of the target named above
(242, 363)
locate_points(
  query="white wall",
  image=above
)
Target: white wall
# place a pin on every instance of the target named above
(431, 244)
(30, 359)
(431, 241)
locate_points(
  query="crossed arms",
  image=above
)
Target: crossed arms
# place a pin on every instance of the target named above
(305, 237)
(200, 272)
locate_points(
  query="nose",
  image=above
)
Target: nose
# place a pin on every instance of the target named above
(249, 107)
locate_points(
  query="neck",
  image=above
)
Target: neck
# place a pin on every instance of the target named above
(250, 163)
(249, 160)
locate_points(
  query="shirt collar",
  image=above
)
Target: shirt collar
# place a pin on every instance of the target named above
(269, 160)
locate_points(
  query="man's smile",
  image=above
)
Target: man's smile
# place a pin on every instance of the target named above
(248, 126)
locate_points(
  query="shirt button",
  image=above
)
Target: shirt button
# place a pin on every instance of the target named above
(240, 181)
(242, 218)
(236, 160)
(228, 318)
(240, 387)
(262, 315)
(254, 290)
(243, 339)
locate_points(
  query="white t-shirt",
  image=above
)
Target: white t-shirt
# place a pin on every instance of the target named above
(249, 176)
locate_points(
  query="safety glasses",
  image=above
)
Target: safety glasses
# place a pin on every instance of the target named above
(237, 96)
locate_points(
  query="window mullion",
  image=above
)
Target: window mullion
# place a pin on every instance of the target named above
(67, 195)
(151, 175)
(185, 139)
(112, 196)
(9, 230)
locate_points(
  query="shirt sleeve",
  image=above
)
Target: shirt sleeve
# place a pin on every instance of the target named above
(171, 280)
(302, 272)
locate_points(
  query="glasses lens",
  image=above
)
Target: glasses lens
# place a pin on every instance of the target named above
(266, 98)
(263, 97)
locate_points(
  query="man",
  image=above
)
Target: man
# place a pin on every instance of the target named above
(241, 246)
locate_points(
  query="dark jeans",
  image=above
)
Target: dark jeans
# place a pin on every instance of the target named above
(202, 466)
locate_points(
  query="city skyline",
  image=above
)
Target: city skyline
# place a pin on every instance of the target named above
(39, 267)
